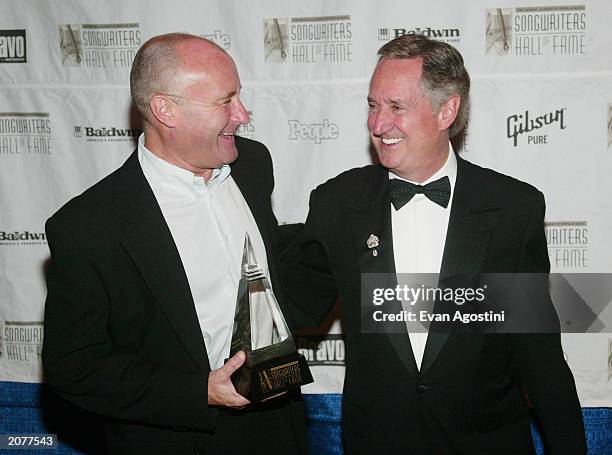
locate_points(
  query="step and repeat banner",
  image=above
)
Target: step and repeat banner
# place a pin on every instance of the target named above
(541, 112)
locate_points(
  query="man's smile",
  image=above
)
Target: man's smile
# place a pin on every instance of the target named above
(391, 140)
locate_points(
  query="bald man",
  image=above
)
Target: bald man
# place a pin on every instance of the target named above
(145, 267)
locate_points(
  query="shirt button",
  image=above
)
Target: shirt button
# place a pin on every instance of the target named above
(422, 388)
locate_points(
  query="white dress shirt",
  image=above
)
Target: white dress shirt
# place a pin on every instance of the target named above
(208, 221)
(419, 234)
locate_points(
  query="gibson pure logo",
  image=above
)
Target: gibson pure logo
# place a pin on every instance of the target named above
(321, 39)
(568, 244)
(519, 124)
(536, 30)
(316, 132)
(13, 46)
(106, 46)
(107, 134)
(23, 341)
(221, 39)
(448, 35)
(322, 349)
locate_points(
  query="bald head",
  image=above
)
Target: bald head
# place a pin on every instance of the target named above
(165, 62)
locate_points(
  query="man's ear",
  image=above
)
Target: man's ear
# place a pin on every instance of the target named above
(163, 110)
(448, 112)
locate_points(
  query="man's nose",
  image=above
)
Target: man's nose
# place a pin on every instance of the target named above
(240, 114)
(379, 122)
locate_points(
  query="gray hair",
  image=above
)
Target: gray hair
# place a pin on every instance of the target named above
(444, 74)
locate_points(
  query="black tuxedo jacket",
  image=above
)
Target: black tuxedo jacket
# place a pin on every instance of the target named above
(122, 337)
(469, 395)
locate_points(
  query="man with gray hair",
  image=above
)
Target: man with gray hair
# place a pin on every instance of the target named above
(425, 210)
(145, 267)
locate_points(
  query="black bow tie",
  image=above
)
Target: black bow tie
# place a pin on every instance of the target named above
(437, 191)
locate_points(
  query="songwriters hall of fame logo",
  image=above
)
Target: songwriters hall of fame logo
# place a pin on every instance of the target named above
(536, 31)
(105, 46)
(321, 39)
(21, 341)
(568, 244)
(25, 134)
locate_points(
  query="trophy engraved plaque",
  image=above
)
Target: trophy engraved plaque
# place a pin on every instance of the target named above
(273, 364)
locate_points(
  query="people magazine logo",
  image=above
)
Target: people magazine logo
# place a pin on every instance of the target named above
(322, 349)
(320, 39)
(568, 244)
(535, 128)
(103, 46)
(13, 47)
(248, 129)
(25, 134)
(107, 134)
(317, 132)
(21, 341)
(536, 31)
(220, 38)
(447, 35)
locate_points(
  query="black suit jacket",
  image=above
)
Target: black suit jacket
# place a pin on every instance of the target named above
(469, 395)
(122, 337)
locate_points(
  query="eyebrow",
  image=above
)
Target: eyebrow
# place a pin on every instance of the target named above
(229, 95)
(393, 101)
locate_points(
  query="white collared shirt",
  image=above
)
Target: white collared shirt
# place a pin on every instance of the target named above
(208, 221)
(419, 234)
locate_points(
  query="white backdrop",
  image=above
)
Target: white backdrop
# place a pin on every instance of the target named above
(65, 122)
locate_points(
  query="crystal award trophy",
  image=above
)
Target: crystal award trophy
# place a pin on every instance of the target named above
(272, 363)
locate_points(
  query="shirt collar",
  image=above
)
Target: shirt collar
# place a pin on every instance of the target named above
(448, 169)
(163, 172)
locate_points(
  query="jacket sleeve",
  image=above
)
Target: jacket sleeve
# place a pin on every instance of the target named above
(311, 285)
(84, 363)
(547, 380)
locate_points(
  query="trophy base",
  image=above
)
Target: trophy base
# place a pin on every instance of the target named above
(258, 381)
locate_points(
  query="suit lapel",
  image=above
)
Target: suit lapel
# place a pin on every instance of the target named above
(253, 189)
(370, 214)
(467, 239)
(256, 189)
(148, 241)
